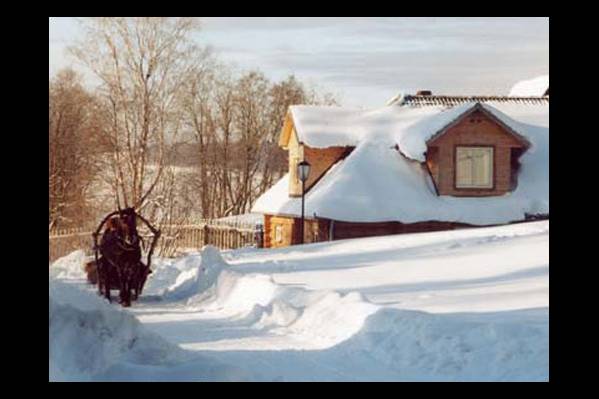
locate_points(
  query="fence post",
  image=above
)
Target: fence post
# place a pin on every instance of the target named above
(259, 235)
(205, 231)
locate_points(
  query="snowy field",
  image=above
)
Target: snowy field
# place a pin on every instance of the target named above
(465, 305)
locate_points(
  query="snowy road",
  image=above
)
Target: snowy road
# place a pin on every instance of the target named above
(458, 305)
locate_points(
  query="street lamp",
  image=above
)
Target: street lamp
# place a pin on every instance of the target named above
(303, 171)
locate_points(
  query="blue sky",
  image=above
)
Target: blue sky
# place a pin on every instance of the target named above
(365, 61)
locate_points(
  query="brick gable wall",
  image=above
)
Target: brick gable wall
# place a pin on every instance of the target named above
(320, 159)
(476, 129)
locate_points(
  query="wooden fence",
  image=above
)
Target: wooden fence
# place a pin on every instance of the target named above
(64, 241)
(173, 240)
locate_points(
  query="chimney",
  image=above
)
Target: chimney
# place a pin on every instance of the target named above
(424, 93)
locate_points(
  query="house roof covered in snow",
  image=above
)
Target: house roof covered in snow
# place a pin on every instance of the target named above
(376, 182)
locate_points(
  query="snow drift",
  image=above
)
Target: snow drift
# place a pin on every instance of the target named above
(88, 336)
(419, 346)
(198, 273)
(70, 267)
(332, 328)
(91, 340)
(466, 305)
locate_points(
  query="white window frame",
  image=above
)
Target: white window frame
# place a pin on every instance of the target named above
(487, 185)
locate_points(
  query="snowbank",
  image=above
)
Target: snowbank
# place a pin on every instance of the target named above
(319, 319)
(322, 318)
(198, 273)
(70, 267)
(87, 336)
(91, 340)
(465, 305)
(368, 341)
(331, 319)
(418, 346)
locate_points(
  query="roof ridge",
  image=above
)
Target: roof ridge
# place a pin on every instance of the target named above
(445, 99)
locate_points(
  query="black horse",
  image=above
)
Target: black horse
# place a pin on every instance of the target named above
(119, 265)
(121, 257)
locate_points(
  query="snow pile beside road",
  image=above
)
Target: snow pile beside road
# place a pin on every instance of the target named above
(464, 305)
(393, 344)
(238, 294)
(198, 273)
(320, 319)
(419, 346)
(331, 319)
(70, 267)
(87, 336)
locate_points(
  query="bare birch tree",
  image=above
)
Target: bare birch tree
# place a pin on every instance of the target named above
(235, 123)
(142, 64)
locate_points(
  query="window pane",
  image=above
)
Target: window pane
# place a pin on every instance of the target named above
(464, 167)
(474, 167)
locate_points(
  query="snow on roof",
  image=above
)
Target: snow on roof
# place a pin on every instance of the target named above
(326, 126)
(412, 139)
(376, 183)
(532, 87)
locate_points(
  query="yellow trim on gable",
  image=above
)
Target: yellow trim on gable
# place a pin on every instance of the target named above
(286, 131)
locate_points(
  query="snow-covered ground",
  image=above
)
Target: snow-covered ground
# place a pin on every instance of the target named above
(464, 305)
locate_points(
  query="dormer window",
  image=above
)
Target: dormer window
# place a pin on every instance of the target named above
(474, 167)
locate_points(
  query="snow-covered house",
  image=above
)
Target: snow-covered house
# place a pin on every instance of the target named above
(421, 163)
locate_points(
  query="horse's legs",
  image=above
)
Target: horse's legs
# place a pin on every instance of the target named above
(102, 277)
(140, 278)
(126, 293)
(107, 289)
(135, 290)
(107, 282)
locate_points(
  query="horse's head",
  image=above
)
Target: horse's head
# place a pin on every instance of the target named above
(128, 216)
(112, 224)
(128, 219)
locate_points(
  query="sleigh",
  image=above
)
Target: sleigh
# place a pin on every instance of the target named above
(118, 263)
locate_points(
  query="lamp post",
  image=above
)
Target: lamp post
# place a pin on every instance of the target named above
(303, 171)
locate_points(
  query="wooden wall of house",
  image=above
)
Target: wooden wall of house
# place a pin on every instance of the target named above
(321, 159)
(315, 230)
(476, 129)
(287, 235)
(318, 230)
(343, 230)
